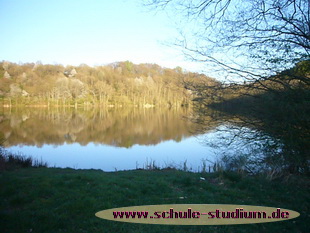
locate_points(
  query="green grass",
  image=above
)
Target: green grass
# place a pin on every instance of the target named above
(66, 200)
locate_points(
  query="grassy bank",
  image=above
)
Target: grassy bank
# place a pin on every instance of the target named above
(66, 200)
(10, 161)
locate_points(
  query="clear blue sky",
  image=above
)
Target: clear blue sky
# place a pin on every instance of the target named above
(94, 32)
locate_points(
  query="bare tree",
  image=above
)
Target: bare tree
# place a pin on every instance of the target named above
(265, 44)
(252, 39)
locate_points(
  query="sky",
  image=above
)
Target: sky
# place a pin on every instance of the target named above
(92, 32)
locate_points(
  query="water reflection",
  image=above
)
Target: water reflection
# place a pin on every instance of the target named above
(130, 138)
(117, 127)
(106, 139)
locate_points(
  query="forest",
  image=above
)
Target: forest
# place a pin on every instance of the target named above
(116, 84)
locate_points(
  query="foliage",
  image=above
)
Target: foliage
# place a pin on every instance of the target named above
(282, 115)
(120, 83)
(9, 161)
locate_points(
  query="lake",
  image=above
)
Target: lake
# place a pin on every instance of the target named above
(113, 139)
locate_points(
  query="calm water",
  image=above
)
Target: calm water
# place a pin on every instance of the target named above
(108, 139)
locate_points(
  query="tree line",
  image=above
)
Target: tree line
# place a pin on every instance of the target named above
(116, 84)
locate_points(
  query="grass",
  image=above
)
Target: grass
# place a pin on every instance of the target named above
(66, 200)
(9, 161)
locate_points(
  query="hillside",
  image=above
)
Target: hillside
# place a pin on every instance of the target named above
(120, 83)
